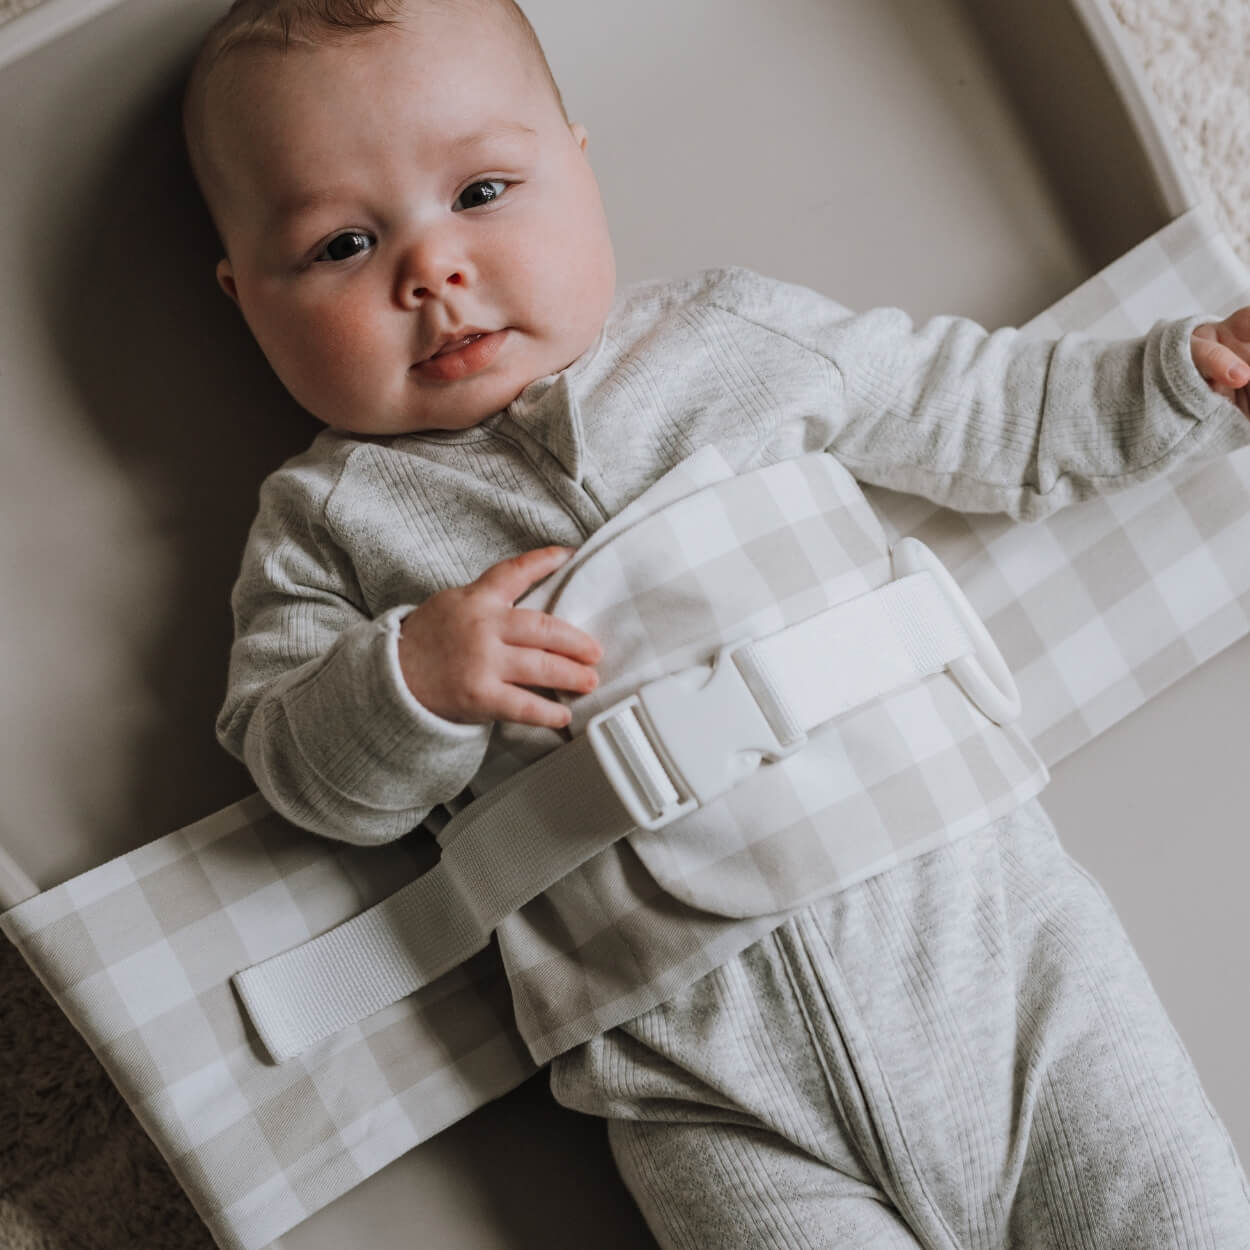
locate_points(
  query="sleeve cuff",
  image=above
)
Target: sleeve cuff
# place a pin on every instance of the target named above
(401, 703)
(1226, 427)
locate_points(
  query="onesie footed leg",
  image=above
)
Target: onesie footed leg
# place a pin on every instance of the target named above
(1125, 1151)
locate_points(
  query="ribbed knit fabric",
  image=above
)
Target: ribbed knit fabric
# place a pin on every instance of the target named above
(961, 1053)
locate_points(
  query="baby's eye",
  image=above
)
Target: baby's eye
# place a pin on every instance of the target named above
(482, 193)
(346, 245)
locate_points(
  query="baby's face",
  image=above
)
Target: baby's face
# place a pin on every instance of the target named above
(383, 197)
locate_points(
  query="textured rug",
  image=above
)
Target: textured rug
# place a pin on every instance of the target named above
(1196, 55)
(76, 1171)
(9, 9)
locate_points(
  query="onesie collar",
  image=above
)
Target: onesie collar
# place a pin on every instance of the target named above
(547, 410)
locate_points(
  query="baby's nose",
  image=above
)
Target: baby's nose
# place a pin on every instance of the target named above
(453, 279)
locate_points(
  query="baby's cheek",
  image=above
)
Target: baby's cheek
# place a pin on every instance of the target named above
(584, 243)
(332, 356)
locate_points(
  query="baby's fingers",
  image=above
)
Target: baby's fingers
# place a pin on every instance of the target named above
(526, 627)
(1237, 325)
(1220, 357)
(528, 667)
(511, 578)
(523, 707)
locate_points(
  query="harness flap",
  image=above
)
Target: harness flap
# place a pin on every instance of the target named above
(742, 560)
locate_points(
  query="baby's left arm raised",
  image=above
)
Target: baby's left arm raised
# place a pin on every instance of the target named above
(1221, 351)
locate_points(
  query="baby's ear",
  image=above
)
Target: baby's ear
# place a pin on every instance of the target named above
(225, 278)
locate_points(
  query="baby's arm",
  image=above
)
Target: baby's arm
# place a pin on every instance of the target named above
(320, 701)
(989, 422)
(997, 421)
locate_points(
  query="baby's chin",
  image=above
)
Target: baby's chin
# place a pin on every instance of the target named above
(445, 418)
(364, 427)
(421, 406)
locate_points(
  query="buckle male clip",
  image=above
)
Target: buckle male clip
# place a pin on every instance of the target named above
(683, 739)
(686, 738)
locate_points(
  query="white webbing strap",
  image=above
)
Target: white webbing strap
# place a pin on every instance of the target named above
(498, 853)
(900, 632)
(676, 744)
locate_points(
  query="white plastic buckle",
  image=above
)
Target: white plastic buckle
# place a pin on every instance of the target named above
(983, 676)
(707, 730)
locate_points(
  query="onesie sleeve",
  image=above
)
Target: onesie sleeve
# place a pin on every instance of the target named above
(316, 705)
(997, 421)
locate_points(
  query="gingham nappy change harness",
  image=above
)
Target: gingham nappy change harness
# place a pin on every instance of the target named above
(785, 707)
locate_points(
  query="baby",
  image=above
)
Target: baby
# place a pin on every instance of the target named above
(960, 1051)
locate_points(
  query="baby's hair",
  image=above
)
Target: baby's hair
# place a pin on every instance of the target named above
(310, 22)
(285, 24)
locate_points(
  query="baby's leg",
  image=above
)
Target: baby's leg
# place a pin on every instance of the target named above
(1028, 1087)
(1125, 1151)
(733, 1187)
(961, 1053)
(726, 1118)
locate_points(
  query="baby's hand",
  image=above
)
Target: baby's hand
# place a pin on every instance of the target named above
(467, 653)
(1222, 353)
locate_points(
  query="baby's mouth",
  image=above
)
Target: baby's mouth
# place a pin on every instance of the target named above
(463, 357)
(457, 345)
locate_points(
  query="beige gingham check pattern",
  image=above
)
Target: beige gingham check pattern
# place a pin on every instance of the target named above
(1110, 601)
(743, 558)
(1095, 610)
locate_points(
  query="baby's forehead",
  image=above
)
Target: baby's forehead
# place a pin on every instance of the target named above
(417, 31)
(457, 28)
(247, 92)
(239, 63)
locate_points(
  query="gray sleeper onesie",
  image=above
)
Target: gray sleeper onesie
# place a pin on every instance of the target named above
(357, 532)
